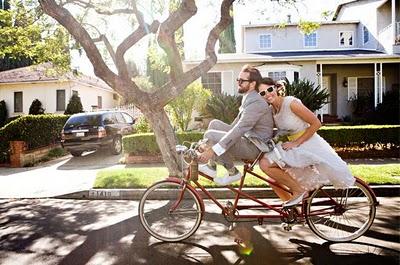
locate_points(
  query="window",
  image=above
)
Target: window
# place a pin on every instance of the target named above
(128, 118)
(109, 118)
(119, 117)
(265, 41)
(310, 40)
(296, 76)
(99, 102)
(346, 38)
(60, 105)
(18, 102)
(277, 75)
(212, 81)
(365, 34)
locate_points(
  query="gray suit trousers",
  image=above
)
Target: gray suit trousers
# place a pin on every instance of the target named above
(243, 149)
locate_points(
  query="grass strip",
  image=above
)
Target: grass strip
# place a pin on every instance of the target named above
(143, 177)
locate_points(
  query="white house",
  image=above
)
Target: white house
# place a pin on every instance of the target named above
(19, 87)
(358, 52)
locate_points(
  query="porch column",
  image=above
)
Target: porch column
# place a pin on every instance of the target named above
(380, 99)
(378, 80)
(319, 80)
(394, 20)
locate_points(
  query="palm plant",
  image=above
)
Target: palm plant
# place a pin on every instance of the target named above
(312, 96)
(222, 107)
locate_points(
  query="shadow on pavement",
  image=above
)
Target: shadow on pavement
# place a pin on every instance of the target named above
(329, 253)
(92, 160)
(71, 232)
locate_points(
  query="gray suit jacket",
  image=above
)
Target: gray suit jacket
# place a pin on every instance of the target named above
(254, 120)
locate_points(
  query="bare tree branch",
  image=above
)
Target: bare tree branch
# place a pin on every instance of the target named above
(102, 38)
(166, 35)
(173, 88)
(99, 10)
(131, 40)
(65, 18)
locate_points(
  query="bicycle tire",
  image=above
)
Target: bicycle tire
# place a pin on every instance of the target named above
(345, 215)
(162, 223)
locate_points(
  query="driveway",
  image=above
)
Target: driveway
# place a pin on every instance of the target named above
(61, 176)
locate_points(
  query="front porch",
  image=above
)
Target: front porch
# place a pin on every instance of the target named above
(348, 82)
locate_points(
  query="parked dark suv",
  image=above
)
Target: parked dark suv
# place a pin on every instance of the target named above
(93, 130)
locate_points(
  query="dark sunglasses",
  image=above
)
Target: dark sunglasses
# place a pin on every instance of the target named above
(241, 81)
(269, 90)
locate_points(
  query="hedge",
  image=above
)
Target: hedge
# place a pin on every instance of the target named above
(337, 136)
(35, 130)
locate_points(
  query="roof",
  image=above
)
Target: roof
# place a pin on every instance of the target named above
(40, 73)
(296, 24)
(309, 55)
(352, 53)
(346, 2)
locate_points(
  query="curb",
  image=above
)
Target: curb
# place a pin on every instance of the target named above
(219, 193)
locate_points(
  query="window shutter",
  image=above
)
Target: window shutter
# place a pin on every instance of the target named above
(351, 88)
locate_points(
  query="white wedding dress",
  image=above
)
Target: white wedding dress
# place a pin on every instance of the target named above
(313, 163)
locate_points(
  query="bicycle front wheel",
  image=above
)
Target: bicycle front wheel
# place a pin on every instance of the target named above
(341, 215)
(169, 211)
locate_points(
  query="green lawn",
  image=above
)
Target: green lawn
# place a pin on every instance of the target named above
(143, 177)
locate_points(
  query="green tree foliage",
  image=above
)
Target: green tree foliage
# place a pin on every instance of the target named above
(36, 108)
(181, 109)
(142, 125)
(3, 113)
(222, 107)
(74, 105)
(26, 38)
(312, 96)
(227, 43)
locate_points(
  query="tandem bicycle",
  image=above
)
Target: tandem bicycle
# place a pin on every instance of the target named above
(171, 210)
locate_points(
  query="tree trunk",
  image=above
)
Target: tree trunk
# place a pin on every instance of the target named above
(165, 138)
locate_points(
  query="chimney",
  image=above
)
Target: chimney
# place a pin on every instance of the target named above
(289, 19)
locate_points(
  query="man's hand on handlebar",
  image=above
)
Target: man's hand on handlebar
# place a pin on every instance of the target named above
(206, 155)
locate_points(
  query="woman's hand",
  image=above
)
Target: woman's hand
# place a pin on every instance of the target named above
(289, 145)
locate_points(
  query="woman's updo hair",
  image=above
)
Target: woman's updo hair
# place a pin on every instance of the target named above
(280, 87)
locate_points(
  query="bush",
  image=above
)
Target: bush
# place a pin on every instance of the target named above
(312, 97)
(337, 136)
(222, 107)
(145, 144)
(3, 113)
(341, 136)
(142, 125)
(74, 105)
(35, 130)
(36, 108)
(194, 97)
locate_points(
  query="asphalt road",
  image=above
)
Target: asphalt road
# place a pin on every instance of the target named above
(54, 231)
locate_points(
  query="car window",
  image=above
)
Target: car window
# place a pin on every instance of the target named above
(128, 118)
(82, 120)
(119, 117)
(109, 118)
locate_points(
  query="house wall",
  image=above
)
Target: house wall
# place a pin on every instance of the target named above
(375, 17)
(46, 93)
(291, 39)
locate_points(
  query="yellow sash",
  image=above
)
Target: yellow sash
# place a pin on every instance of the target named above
(295, 136)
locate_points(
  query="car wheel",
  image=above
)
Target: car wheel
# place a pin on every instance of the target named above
(76, 153)
(116, 146)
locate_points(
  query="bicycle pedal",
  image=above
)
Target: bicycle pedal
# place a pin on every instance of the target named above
(286, 227)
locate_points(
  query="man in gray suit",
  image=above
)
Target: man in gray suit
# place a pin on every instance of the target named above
(229, 141)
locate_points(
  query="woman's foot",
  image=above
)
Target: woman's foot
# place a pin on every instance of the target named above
(296, 199)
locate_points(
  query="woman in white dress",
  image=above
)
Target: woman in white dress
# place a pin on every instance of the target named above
(306, 160)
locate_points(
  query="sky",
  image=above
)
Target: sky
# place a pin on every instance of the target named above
(197, 28)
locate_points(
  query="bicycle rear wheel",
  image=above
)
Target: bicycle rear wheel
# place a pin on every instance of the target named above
(341, 215)
(170, 213)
